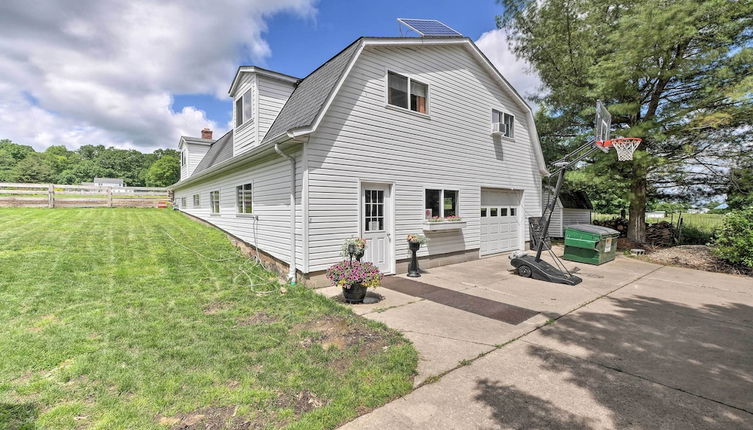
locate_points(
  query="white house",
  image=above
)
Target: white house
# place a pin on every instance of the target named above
(573, 207)
(382, 136)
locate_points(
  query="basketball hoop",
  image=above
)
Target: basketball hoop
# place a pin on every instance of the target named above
(624, 146)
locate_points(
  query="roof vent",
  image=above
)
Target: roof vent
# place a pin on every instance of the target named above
(429, 27)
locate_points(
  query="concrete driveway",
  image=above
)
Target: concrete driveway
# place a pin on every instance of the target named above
(636, 345)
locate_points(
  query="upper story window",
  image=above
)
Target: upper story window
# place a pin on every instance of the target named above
(182, 158)
(506, 122)
(406, 93)
(243, 108)
(244, 198)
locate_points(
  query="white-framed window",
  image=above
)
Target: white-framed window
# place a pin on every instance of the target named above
(244, 108)
(407, 93)
(244, 199)
(196, 201)
(183, 158)
(440, 203)
(506, 122)
(183, 202)
(214, 201)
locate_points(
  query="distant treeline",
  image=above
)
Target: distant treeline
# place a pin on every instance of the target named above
(57, 164)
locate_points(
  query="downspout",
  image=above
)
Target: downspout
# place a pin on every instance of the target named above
(292, 272)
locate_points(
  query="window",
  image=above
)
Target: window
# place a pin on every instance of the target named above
(441, 203)
(512, 211)
(493, 212)
(214, 201)
(196, 200)
(244, 199)
(183, 158)
(502, 211)
(506, 121)
(483, 212)
(183, 202)
(373, 210)
(243, 109)
(398, 93)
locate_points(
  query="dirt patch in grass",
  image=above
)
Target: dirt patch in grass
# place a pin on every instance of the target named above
(216, 307)
(257, 318)
(208, 418)
(695, 257)
(345, 334)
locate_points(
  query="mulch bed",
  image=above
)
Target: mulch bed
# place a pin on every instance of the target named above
(692, 256)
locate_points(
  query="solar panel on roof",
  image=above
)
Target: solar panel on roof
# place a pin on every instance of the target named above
(428, 27)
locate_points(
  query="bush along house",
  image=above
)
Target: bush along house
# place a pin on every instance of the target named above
(391, 136)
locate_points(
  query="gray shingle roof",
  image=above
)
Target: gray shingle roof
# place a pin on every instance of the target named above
(312, 92)
(221, 150)
(575, 200)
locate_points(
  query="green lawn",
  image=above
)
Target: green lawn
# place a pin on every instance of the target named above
(705, 222)
(107, 323)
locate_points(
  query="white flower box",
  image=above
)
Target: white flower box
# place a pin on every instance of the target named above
(444, 225)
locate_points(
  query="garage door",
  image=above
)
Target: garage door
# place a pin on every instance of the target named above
(499, 221)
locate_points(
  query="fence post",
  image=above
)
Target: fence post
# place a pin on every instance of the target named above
(109, 197)
(50, 196)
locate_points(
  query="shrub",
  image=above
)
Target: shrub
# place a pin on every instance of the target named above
(692, 235)
(734, 240)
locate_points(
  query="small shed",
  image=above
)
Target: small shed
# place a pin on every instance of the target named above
(573, 207)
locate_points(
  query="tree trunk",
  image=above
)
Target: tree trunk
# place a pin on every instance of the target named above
(637, 216)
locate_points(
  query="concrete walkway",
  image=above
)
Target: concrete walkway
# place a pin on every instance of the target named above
(635, 345)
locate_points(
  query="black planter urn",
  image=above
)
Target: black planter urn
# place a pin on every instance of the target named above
(413, 270)
(354, 294)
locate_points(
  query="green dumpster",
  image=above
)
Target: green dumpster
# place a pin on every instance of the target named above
(591, 244)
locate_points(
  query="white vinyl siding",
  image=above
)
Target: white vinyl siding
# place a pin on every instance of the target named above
(271, 204)
(359, 139)
(273, 93)
(193, 153)
(245, 132)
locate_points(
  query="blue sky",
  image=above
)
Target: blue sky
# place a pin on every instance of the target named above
(141, 73)
(299, 45)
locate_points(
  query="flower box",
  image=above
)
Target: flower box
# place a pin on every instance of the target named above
(444, 225)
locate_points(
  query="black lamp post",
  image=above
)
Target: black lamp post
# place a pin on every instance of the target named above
(413, 270)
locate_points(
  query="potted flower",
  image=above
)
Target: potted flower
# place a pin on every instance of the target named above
(452, 218)
(353, 247)
(414, 244)
(354, 277)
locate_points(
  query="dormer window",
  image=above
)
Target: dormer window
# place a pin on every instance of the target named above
(183, 158)
(243, 109)
(407, 93)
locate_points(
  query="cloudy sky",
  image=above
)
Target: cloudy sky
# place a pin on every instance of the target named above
(139, 73)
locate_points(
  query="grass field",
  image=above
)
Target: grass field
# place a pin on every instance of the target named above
(704, 222)
(108, 323)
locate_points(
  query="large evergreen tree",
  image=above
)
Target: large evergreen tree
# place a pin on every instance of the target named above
(677, 73)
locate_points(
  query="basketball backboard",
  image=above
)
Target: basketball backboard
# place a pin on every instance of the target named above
(603, 122)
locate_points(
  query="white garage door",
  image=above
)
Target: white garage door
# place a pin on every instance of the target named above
(499, 221)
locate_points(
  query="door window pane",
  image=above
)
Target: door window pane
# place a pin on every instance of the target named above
(483, 212)
(373, 210)
(493, 212)
(503, 212)
(512, 211)
(397, 90)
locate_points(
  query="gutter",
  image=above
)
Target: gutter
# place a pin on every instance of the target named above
(292, 272)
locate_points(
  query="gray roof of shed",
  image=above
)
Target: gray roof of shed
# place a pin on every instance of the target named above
(221, 150)
(309, 96)
(575, 200)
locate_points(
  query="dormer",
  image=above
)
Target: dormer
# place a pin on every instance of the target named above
(258, 96)
(192, 150)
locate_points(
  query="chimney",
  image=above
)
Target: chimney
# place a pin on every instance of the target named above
(206, 134)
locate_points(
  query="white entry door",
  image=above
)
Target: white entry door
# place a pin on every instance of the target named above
(376, 224)
(499, 221)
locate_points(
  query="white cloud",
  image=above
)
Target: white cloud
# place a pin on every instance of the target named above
(104, 72)
(494, 44)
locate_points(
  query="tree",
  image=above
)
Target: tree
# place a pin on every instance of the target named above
(677, 73)
(740, 189)
(164, 172)
(35, 168)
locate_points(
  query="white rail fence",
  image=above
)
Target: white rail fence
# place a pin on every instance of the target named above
(56, 195)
